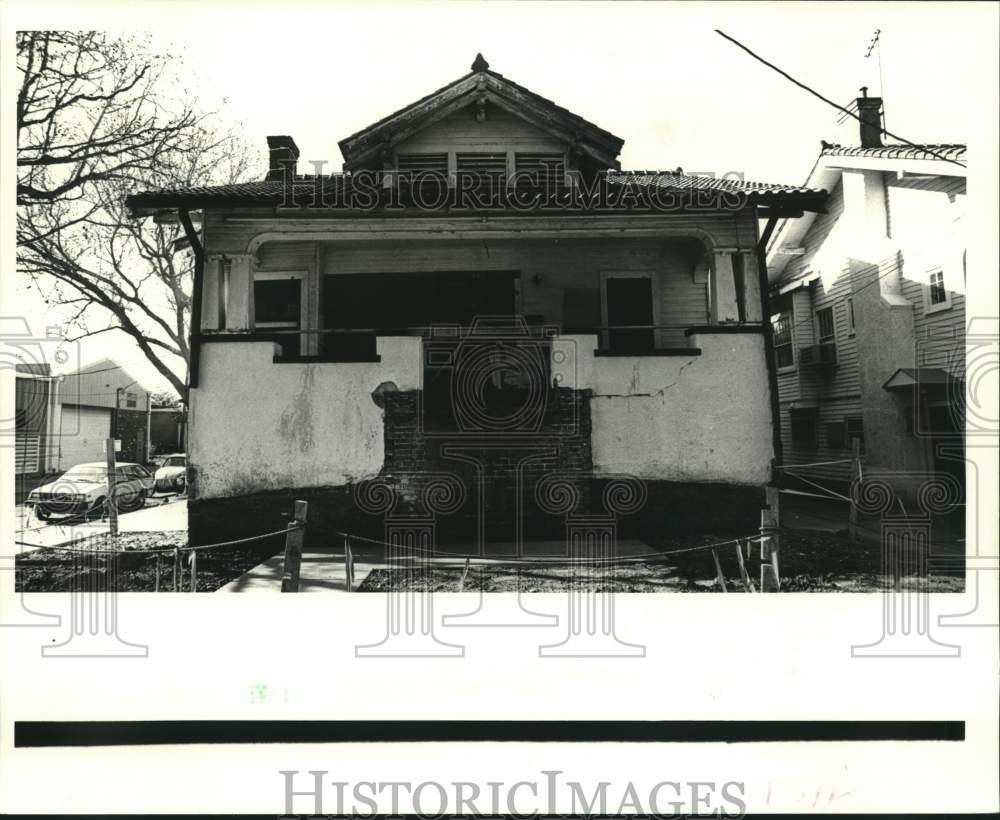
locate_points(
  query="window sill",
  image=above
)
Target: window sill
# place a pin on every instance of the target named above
(663, 351)
(781, 371)
(939, 308)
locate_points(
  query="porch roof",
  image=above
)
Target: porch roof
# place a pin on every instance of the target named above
(337, 188)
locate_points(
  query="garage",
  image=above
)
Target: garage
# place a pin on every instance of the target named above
(83, 434)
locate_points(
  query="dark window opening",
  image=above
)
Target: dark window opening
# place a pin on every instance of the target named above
(855, 429)
(850, 314)
(278, 308)
(130, 400)
(630, 307)
(824, 320)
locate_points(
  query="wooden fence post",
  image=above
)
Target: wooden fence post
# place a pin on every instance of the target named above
(769, 547)
(156, 587)
(852, 520)
(177, 570)
(294, 539)
(193, 561)
(718, 571)
(348, 565)
(744, 575)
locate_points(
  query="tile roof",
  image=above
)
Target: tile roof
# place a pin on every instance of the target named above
(952, 151)
(336, 189)
(728, 184)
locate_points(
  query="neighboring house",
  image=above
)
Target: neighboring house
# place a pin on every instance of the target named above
(99, 401)
(472, 296)
(36, 420)
(868, 309)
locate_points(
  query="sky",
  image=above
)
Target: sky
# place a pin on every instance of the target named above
(655, 74)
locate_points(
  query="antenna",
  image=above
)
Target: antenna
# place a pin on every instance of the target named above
(876, 46)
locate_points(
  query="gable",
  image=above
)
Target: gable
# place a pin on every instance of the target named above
(475, 95)
(497, 129)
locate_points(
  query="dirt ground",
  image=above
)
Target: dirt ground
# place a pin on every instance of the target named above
(806, 565)
(60, 571)
(809, 562)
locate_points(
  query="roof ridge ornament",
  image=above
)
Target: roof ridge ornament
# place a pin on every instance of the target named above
(480, 64)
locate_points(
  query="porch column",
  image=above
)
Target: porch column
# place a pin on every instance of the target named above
(751, 286)
(239, 301)
(211, 288)
(724, 305)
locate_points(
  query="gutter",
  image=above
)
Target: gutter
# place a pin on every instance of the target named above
(772, 367)
(194, 343)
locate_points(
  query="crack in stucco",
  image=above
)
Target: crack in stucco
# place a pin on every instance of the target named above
(296, 424)
(632, 386)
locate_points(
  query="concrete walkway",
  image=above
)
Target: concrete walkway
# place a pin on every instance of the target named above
(167, 516)
(323, 569)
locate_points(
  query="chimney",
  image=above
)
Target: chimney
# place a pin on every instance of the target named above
(284, 153)
(870, 114)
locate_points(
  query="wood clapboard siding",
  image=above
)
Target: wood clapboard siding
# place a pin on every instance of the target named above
(836, 395)
(461, 132)
(922, 210)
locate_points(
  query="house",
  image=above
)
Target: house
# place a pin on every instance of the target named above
(36, 420)
(480, 292)
(99, 401)
(868, 311)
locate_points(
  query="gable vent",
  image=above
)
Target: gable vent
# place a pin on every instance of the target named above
(421, 163)
(485, 164)
(543, 165)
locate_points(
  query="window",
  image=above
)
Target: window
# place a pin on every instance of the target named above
(781, 325)
(277, 307)
(824, 322)
(936, 294)
(130, 399)
(855, 429)
(803, 427)
(850, 314)
(629, 310)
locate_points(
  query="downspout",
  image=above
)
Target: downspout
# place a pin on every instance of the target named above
(772, 368)
(194, 345)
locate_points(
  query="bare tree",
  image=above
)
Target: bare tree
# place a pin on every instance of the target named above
(100, 116)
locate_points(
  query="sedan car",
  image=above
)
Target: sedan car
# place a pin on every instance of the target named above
(83, 490)
(171, 475)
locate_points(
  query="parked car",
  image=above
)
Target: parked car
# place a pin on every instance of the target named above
(83, 490)
(171, 475)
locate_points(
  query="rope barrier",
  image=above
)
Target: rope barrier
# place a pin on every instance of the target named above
(814, 464)
(159, 550)
(443, 559)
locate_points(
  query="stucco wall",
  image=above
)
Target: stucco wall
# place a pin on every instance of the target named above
(257, 425)
(700, 418)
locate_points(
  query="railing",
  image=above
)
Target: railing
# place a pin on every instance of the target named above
(358, 344)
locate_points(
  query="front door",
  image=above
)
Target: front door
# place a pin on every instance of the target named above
(630, 303)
